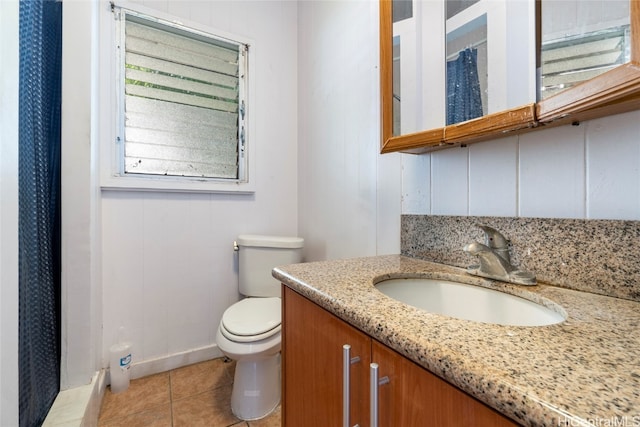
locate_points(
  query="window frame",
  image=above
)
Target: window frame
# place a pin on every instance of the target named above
(113, 176)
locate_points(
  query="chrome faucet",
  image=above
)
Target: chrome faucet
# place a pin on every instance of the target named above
(495, 260)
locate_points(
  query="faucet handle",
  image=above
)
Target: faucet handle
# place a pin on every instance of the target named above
(495, 240)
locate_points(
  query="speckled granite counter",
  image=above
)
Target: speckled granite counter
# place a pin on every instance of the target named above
(582, 372)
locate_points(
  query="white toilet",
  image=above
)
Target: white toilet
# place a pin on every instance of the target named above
(249, 332)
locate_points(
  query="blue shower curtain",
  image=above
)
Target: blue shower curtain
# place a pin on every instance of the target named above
(464, 101)
(39, 208)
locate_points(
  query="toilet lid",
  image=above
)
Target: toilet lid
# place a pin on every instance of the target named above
(252, 319)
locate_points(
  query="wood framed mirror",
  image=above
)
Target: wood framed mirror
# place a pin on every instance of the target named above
(612, 92)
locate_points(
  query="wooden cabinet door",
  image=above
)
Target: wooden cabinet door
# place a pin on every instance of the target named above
(312, 366)
(414, 397)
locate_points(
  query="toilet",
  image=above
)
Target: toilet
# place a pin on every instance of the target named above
(249, 331)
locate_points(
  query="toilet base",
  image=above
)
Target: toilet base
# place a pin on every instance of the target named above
(256, 387)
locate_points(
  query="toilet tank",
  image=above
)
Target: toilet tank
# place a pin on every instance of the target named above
(258, 255)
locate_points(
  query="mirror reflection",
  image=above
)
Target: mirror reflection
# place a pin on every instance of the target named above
(409, 21)
(464, 71)
(580, 40)
(402, 10)
(490, 57)
(457, 60)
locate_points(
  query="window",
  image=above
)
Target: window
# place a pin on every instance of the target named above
(182, 108)
(572, 60)
(581, 40)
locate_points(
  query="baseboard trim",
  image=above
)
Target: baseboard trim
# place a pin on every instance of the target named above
(173, 361)
(80, 406)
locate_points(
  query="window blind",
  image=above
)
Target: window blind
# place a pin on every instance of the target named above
(181, 102)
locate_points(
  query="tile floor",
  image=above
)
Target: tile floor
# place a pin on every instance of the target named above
(191, 396)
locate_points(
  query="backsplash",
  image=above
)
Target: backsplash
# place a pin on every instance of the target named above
(598, 256)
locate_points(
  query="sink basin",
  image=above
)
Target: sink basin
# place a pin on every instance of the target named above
(468, 302)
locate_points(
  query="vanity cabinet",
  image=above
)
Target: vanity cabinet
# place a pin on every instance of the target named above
(313, 362)
(312, 366)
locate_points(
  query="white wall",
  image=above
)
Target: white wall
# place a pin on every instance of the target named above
(349, 195)
(169, 269)
(81, 291)
(9, 12)
(590, 171)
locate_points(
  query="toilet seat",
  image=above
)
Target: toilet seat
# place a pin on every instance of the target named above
(252, 319)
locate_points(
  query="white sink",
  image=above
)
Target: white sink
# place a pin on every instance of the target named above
(468, 302)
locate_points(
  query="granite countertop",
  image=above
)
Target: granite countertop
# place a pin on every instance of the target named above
(584, 371)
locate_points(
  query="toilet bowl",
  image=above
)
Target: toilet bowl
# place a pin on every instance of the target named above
(249, 331)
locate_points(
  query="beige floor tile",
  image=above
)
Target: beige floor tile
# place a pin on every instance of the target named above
(192, 396)
(274, 419)
(209, 409)
(142, 394)
(200, 377)
(156, 417)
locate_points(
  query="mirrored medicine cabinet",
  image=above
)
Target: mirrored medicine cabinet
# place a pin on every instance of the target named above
(455, 72)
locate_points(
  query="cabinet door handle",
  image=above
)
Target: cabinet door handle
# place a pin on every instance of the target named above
(374, 383)
(347, 360)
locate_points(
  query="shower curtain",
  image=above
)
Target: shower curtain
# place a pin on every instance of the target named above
(39, 207)
(464, 101)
